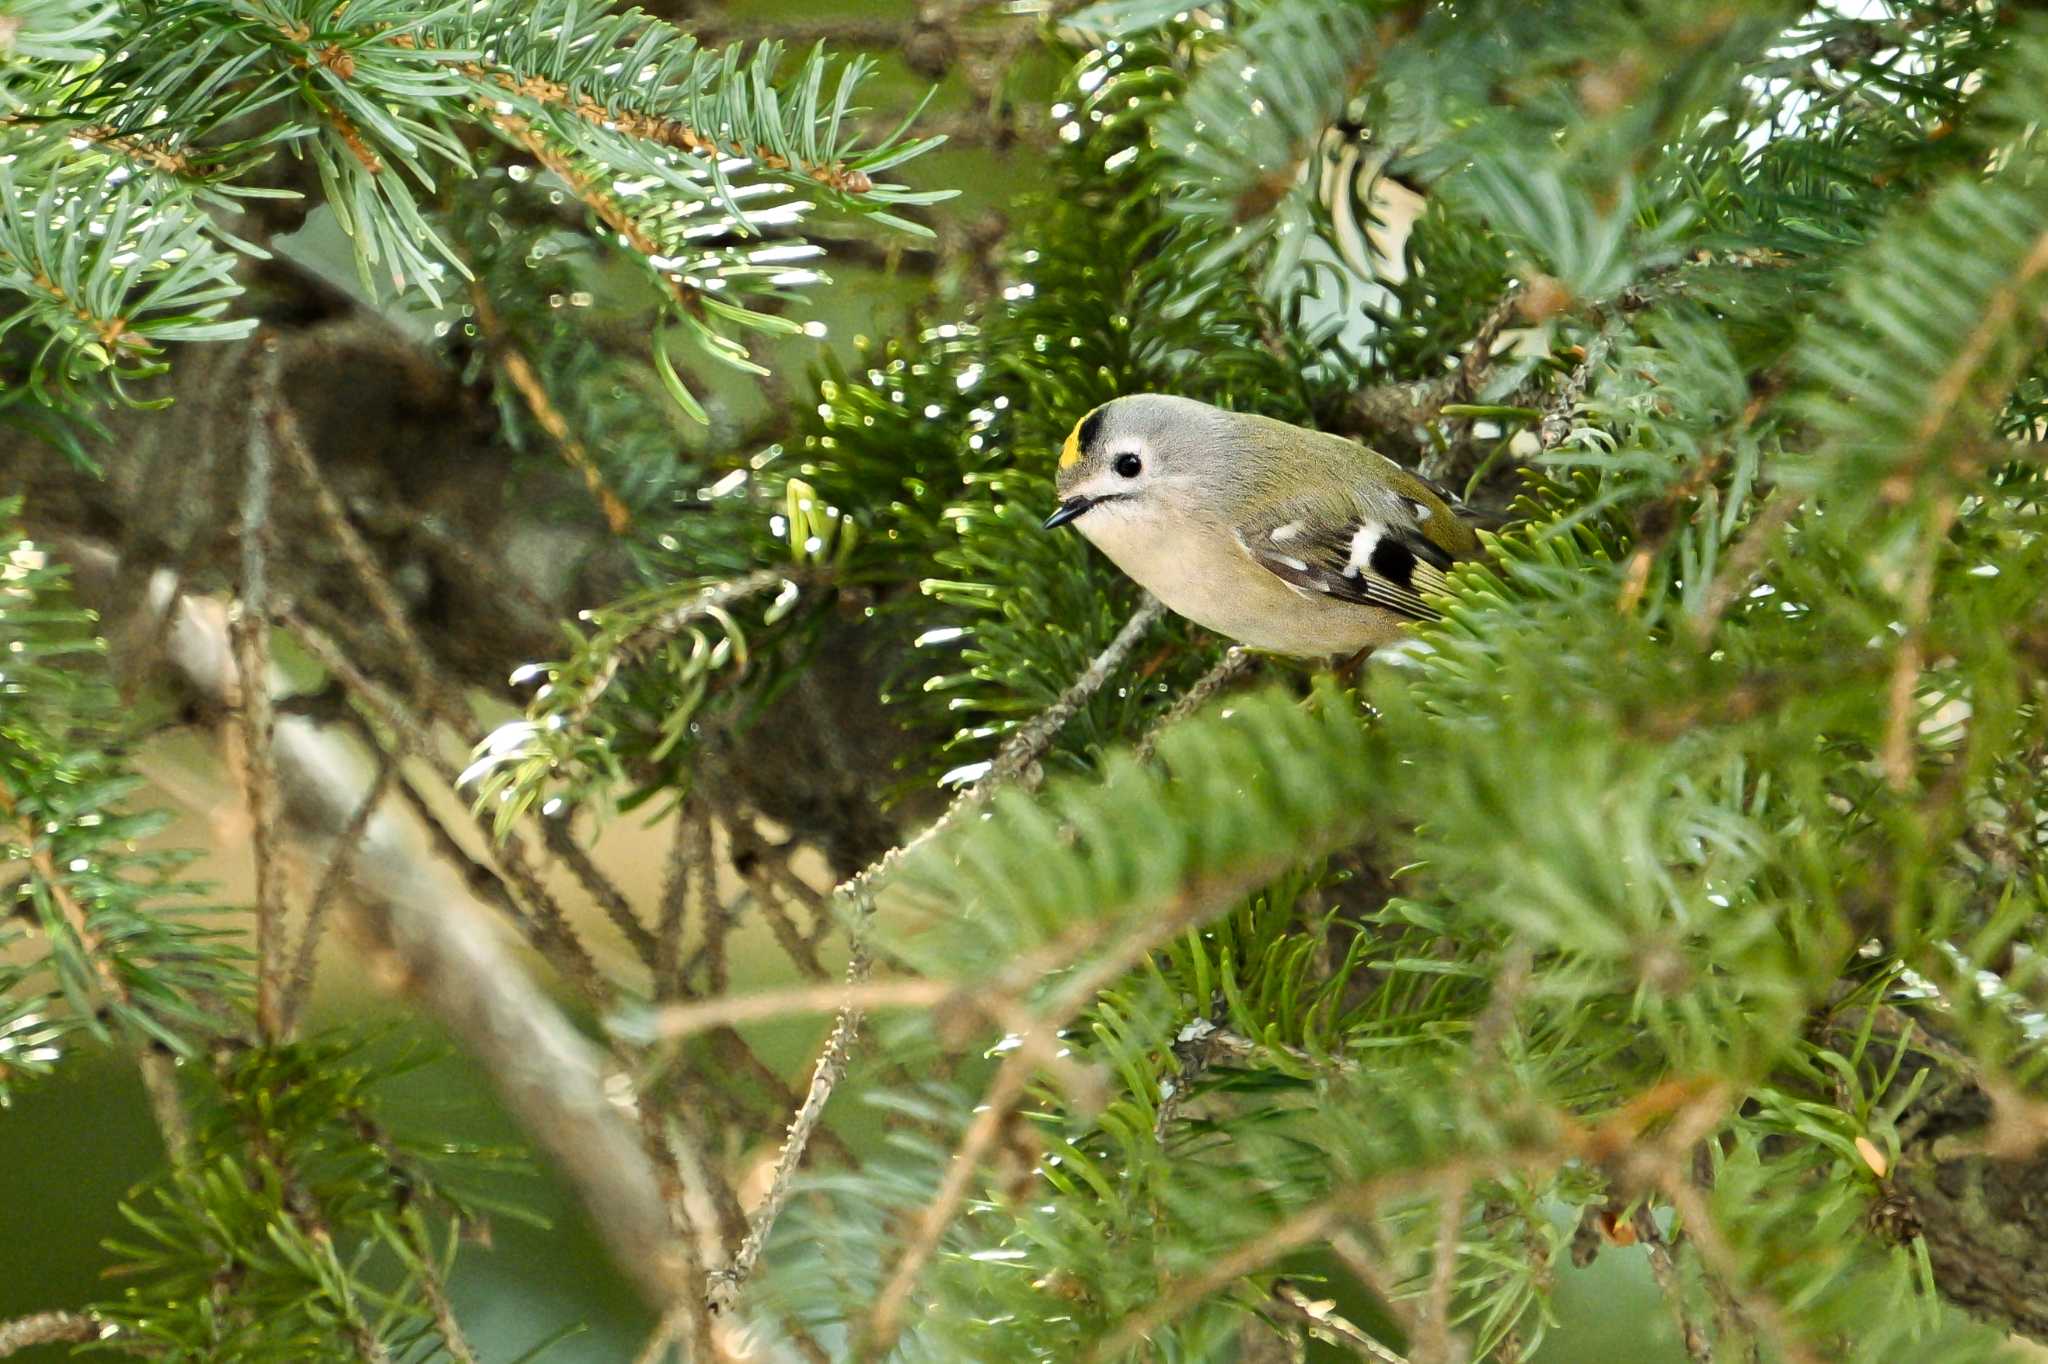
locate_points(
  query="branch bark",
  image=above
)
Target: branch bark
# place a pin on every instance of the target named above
(445, 945)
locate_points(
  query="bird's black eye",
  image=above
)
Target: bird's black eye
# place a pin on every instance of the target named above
(1127, 465)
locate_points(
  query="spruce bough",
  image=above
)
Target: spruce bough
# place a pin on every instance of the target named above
(1675, 896)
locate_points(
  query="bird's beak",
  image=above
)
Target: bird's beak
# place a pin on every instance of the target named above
(1069, 509)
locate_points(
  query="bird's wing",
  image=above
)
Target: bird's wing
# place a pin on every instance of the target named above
(1373, 554)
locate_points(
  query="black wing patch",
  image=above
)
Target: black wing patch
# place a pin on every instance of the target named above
(1362, 562)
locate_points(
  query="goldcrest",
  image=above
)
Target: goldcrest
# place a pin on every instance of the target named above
(1285, 539)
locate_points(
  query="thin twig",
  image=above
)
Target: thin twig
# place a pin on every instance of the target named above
(1438, 1345)
(1311, 1226)
(1741, 562)
(355, 552)
(1235, 663)
(47, 1328)
(724, 1284)
(676, 1021)
(1722, 1263)
(251, 630)
(1896, 752)
(1148, 928)
(521, 892)
(1027, 743)
(1323, 1322)
(546, 415)
(1699, 1348)
(340, 859)
(452, 1336)
(1349, 1246)
(554, 831)
(689, 855)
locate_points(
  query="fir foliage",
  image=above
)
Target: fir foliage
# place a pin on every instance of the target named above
(105, 937)
(128, 122)
(1630, 909)
(1703, 763)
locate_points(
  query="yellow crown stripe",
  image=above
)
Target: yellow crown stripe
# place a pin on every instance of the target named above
(1070, 453)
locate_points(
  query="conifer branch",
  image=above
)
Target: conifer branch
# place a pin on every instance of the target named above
(562, 842)
(1235, 663)
(606, 208)
(1158, 924)
(159, 1077)
(1018, 757)
(531, 906)
(1721, 1264)
(1308, 1227)
(1436, 1344)
(534, 394)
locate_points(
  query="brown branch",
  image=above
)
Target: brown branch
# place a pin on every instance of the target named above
(340, 862)
(549, 417)
(562, 843)
(1664, 1269)
(251, 632)
(1436, 1343)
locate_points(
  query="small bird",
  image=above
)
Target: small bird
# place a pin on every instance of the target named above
(1285, 539)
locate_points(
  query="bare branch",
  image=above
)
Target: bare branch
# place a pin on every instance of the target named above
(439, 943)
(1322, 1321)
(251, 630)
(340, 862)
(47, 1328)
(1664, 1268)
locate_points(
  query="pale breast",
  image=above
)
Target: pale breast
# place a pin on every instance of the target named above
(1204, 575)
